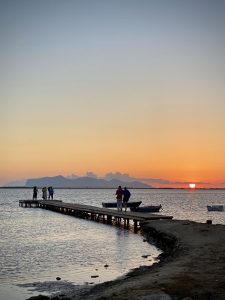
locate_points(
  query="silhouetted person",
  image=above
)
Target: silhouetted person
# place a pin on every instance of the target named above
(44, 193)
(119, 197)
(35, 192)
(50, 192)
(126, 197)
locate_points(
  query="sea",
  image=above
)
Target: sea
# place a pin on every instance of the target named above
(38, 247)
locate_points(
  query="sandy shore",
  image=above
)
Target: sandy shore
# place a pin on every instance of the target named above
(191, 267)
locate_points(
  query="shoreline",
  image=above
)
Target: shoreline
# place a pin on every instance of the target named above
(191, 266)
(113, 188)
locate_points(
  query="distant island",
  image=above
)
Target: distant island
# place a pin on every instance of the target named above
(82, 182)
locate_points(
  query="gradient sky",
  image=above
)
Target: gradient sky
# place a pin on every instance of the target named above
(131, 86)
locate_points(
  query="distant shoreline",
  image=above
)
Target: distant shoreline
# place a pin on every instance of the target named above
(110, 188)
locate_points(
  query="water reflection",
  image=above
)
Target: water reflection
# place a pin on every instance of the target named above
(39, 245)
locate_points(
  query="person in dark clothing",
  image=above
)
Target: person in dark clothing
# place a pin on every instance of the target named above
(126, 197)
(50, 192)
(119, 197)
(35, 191)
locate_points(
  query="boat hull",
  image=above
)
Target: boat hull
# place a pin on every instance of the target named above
(147, 209)
(215, 207)
(114, 204)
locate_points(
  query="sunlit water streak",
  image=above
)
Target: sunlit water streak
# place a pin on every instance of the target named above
(37, 245)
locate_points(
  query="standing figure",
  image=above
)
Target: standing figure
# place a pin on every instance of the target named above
(50, 192)
(35, 191)
(126, 197)
(44, 193)
(119, 197)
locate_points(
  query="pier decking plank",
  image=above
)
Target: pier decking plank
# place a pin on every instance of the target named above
(92, 212)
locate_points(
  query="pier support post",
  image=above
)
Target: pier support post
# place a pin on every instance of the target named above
(135, 225)
(126, 223)
(109, 219)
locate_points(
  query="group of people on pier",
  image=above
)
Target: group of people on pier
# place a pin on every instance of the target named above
(47, 193)
(122, 197)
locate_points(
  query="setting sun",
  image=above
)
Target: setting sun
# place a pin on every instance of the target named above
(192, 185)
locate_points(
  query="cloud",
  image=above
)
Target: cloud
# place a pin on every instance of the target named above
(187, 182)
(120, 176)
(72, 176)
(91, 174)
(164, 182)
(155, 182)
(126, 177)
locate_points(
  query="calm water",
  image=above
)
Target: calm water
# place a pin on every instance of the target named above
(37, 245)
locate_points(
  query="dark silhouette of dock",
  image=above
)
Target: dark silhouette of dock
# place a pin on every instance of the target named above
(94, 213)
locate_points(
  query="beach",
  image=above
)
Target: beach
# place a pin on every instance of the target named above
(191, 266)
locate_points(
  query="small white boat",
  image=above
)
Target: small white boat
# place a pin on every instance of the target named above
(215, 207)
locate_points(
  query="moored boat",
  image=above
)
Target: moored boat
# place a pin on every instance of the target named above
(147, 209)
(114, 204)
(215, 207)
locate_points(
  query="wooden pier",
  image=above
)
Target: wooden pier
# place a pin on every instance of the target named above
(93, 213)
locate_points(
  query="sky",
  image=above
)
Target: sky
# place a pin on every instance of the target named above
(135, 87)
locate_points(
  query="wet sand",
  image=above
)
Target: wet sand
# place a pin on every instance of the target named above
(192, 266)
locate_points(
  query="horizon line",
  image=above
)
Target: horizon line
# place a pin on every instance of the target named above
(110, 188)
